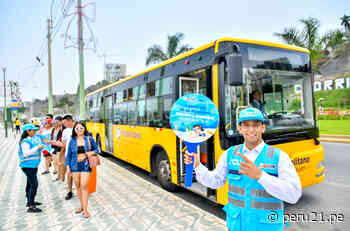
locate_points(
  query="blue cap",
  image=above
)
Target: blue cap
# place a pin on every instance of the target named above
(250, 114)
(27, 127)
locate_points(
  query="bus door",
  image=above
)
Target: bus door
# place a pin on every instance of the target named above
(108, 123)
(193, 83)
(187, 85)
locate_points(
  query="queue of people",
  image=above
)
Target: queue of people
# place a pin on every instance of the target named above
(67, 146)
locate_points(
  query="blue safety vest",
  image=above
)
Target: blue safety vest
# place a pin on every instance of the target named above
(33, 160)
(250, 207)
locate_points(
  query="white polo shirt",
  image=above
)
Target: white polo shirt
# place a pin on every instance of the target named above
(67, 136)
(286, 186)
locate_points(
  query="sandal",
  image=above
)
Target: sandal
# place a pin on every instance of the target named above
(87, 215)
(78, 210)
(46, 172)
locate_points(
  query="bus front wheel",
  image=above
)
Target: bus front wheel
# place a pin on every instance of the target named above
(164, 172)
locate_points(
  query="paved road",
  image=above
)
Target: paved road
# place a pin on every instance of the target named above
(318, 202)
(329, 197)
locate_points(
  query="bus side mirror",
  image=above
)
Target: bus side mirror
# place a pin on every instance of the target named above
(234, 69)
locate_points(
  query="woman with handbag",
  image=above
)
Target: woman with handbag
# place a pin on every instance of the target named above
(81, 148)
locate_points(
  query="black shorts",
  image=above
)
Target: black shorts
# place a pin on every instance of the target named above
(56, 150)
(18, 127)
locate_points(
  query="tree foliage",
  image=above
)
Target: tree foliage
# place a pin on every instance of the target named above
(345, 21)
(64, 101)
(308, 36)
(157, 54)
(333, 38)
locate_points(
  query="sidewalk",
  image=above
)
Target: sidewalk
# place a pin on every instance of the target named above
(335, 138)
(123, 201)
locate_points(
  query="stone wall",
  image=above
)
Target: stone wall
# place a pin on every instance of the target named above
(335, 67)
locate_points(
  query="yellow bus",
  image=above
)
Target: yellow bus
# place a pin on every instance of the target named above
(130, 117)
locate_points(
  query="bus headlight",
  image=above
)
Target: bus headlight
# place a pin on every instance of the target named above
(319, 174)
(320, 165)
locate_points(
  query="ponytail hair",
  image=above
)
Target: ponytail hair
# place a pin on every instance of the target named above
(24, 135)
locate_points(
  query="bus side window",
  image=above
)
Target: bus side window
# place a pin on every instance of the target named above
(117, 110)
(168, 102)
(101, 110)
(132, 119)
(130, 94)
(141, 112)
(151, 89)
(165, 90)
(151, 109)
(125, 95)
(123, 113)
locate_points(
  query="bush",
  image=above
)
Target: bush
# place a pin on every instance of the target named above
(329, 117)
(334, 117)
(346, 117)
(339, 98)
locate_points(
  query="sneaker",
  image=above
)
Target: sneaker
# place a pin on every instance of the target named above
(36, 203)
(33, 210)
(69, 196)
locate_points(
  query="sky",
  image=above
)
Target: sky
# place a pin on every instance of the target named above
(125, 29)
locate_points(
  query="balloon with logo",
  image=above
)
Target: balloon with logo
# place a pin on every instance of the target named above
(194, 119)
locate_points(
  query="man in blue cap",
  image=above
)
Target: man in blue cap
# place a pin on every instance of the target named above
(260, 178)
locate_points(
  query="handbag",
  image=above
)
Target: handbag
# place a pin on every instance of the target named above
(94, 160)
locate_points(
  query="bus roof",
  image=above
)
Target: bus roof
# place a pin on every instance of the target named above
(193, 51)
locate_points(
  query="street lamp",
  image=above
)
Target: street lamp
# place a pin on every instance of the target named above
(5, 109)
(39, 64)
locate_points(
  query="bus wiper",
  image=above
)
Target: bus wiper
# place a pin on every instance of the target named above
(277, 114)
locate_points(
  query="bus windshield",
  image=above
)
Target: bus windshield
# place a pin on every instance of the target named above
(284, 97)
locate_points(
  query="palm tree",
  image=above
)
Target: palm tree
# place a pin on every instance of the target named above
(307, 37)
(333, 38)
(291, 36)
(156, 53)
(345, 21)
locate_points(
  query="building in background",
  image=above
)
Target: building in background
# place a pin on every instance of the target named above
(114, 71)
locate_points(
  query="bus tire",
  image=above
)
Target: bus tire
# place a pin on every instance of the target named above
(164, 172)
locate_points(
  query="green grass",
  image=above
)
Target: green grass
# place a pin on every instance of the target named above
(334, 127)
(337, 99)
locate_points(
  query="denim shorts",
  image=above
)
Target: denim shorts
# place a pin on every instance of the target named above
(83, 166)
